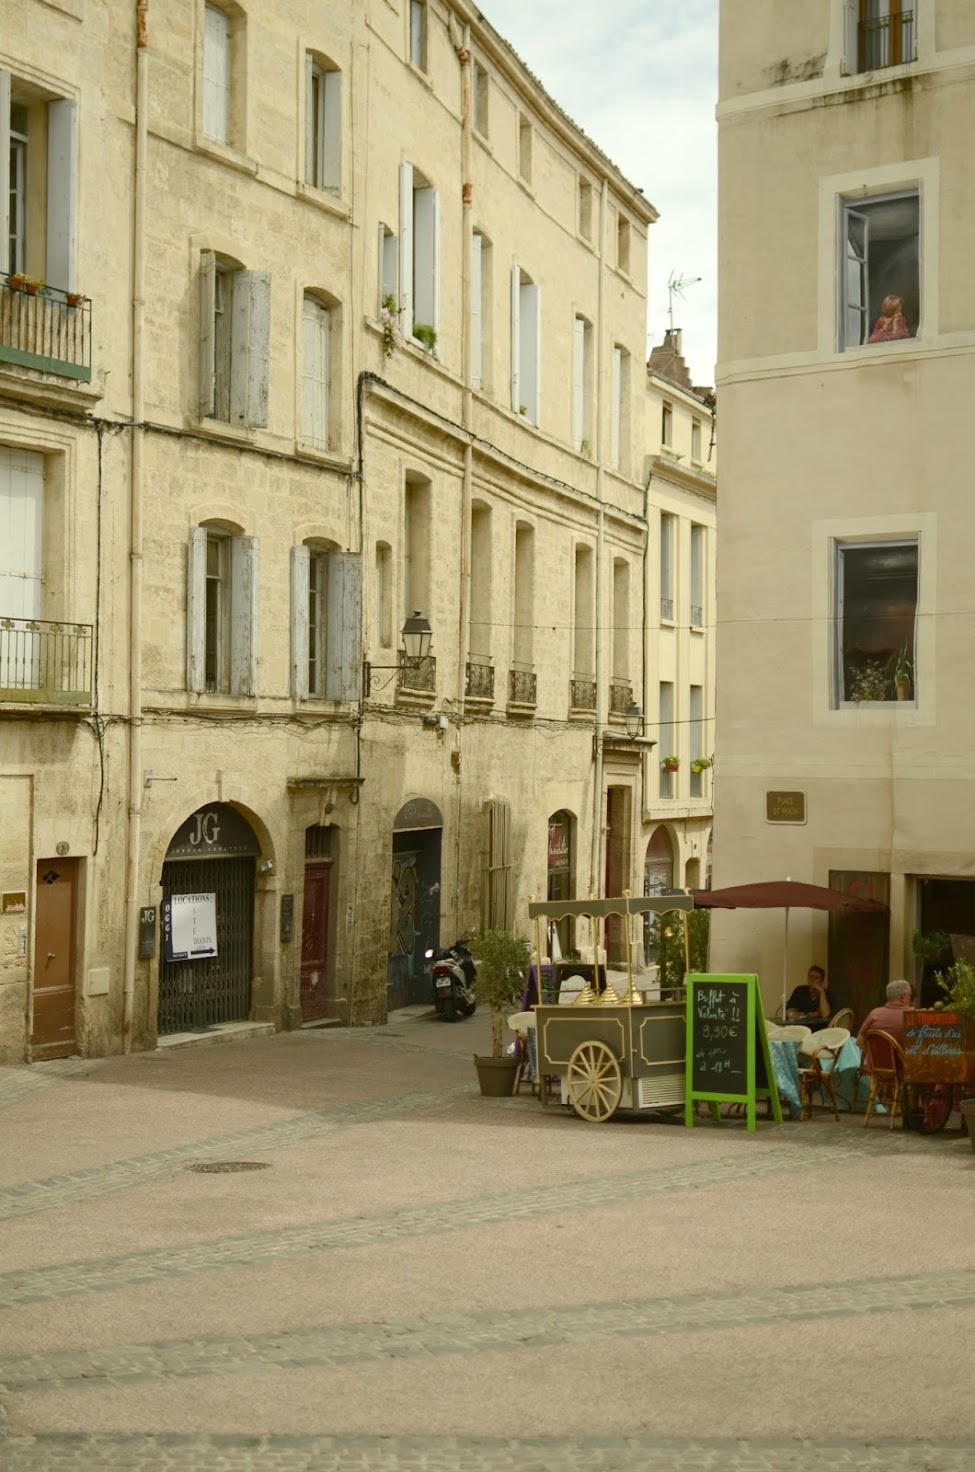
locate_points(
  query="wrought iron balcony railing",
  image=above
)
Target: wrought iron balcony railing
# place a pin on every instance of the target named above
(667, 609)
(887, 40)
(44, 662)
(582, 694)
(620, 695)
(522, 687)
(44, 327)
(480, 680)
(697, 616)
(419, 674)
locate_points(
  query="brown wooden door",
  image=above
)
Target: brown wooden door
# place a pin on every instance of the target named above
(56, 899)
(314, 942)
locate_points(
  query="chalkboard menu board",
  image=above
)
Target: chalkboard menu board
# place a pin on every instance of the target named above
(937, 1047)
(727, 1050)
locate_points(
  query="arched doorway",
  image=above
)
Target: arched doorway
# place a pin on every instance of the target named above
(658, 877)
(206, 966)
(561, 871)
(414, 915)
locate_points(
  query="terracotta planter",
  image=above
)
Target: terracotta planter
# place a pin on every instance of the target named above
(496, 1076)
(17, 281)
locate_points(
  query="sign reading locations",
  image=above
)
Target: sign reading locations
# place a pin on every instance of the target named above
(191, 933)
(785, 807)
(728, 1057)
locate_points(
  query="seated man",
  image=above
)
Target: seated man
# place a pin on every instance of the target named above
(811, 1004)
(890, 1017)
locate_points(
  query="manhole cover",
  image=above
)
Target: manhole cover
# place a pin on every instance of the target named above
(218, 1167)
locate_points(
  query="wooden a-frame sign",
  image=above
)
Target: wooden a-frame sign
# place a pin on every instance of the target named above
(728, 1056)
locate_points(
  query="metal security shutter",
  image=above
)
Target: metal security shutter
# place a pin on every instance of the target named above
(197, 994)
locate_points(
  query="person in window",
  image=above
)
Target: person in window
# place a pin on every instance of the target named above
(891, 324)
(812, 1004)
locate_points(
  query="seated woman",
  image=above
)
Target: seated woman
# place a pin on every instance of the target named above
(812, 1004)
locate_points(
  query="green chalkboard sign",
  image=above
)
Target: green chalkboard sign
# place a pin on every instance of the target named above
(728, 1060)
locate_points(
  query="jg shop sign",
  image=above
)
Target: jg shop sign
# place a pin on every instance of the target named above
(190, 927)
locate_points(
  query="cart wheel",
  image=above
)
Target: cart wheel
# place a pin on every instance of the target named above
(594, 1081)
(938, 1100)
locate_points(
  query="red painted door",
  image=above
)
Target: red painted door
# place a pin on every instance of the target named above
(54, 958)
(314, 942)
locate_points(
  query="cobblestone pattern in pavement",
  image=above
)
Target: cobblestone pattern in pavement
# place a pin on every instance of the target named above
(460, 1333)
(100, 1274)
(56, 1192)
(20, 1081)
(176, 1453)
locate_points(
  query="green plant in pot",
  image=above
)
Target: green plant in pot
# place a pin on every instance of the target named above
(902, 674)
(502, 957)
(957, 982)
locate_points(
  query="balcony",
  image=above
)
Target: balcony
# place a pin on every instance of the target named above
(887, 40)
(667, 609)
(620, 695)
(45, 663)
(46, 328)
(479, 686)
(419, 676)
(697, 616)
(582, 695)
(522, 689)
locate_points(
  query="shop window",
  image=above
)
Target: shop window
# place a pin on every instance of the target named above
(876, 595)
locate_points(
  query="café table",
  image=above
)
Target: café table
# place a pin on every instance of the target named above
(785, 1067)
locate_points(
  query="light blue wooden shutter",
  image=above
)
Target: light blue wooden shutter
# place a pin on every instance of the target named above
(300, 633)
(196, 591)
(251, 334)
(216, 75)
(61, 177)
(316, 385)
(208, 301)
(343, 627)
(243, 615)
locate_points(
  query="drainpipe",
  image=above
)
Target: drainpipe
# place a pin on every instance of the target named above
(467, 414)
(135, 521)
(597, 873)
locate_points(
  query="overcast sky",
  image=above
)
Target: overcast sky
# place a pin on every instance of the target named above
(640, 77)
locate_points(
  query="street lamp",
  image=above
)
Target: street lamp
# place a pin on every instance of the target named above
(633, 737)
(417, 635)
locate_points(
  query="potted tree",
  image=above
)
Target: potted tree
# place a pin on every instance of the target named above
(502, 959)
(958, 984)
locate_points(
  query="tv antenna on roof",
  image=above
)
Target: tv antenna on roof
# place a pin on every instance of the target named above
(675, 287)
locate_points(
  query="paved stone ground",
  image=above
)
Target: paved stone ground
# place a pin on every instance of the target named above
(424, 1281)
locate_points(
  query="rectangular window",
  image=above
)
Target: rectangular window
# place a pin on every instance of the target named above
(668, 538)
(419, 298)
(623, 244)
(323, 125)
(481, 95)
(388, 267)
(666, 426)
(316, 372)
(876, 592)
(418, 34)
(697, 750)
(221, 613)
(524, 149)
(582, 386)
(481, 310)
(525, 330)
(667, 736)
(697, 577)
(384, 595)
(881, 33)
(696, 441)
(325, 623)
(620, 421)
(880, 299)
(216, 75)
(585, 208)
(38, 176)
(235, 320)
(21, 534)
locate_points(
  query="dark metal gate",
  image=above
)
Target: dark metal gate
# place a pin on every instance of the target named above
(197, 994)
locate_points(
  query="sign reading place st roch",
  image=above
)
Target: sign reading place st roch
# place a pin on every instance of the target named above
(785, 807)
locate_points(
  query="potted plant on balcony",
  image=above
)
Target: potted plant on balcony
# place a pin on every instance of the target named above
(502, 958)
(426, 335)
(33, 285)
(73, 298)
(389, 315)
(16, 281)
(670, 763)
(700, 764)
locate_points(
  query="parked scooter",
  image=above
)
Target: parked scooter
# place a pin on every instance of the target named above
(452, 976)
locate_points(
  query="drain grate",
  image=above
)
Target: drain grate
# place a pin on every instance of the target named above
(220, 1167)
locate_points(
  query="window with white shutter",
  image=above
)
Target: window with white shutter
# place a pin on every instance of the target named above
(476, 339)
(343, 631)
(221, 612)
(419, 251)
(216, 74)
(525, 325)
(235, 325)
(323, 124)
(38, 183)
(582, 386)
(21, 533)
(316, 372)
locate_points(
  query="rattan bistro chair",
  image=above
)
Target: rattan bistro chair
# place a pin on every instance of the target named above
(885, 1056)
(842, 1018)
(817, 1060)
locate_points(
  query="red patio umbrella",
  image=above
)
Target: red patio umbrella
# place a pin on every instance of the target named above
(782, 894)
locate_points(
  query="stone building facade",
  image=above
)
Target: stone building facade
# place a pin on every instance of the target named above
(846, 346)
(342, 321)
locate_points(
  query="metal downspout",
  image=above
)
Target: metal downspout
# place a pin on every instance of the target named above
(135, 523)
(464, 614)
(597, 876)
